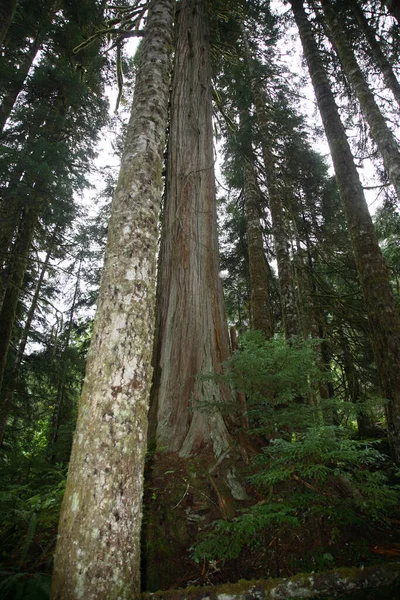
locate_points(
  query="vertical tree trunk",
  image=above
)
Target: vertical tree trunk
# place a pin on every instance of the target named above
(377, 53)
(58, 402)
(192, 335)
(98, 549)
(260, 302)
(290, 316)
(189, 415)
(6, 401)
(372, 269)
(18, 268)
(380, 132)
(7, 10)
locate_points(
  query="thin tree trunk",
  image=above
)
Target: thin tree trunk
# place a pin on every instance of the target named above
(290, 315)
(372, 269)
(6, 402)
(260, 302)
(7, 11)
(18, 268)
(381, 60)
(98, 548)
(380, 132)
(55, 421)
(11, 93)
(16, 85)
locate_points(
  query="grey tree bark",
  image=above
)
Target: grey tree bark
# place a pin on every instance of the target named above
(371, 267)
(379, 129)
(98, 549)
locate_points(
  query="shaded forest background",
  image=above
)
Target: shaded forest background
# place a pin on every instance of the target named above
(285, 458)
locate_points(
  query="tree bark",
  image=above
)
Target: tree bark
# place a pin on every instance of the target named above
(98, 549)
(371, 267)
(260, 301)
(380, 132)
(290, 316)
(381, 60)
(192, 335)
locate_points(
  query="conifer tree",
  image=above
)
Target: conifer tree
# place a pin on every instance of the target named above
(372, 269)
(98, 550)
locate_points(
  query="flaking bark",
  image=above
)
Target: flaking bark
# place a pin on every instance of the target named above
(98, 550)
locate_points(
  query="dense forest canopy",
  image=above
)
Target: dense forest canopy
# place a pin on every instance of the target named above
(233, 410)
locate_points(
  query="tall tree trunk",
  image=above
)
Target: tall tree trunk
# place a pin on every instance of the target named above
(98, 548)
(18, 268)
(192, 335)
(58, 402)
(372, 269)
(6, 401)
(260, 302)
(381, 60)
(7, 11)
(187, 423)
(380, 132)
(290, 315)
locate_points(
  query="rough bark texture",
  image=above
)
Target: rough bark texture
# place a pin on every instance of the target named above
(192, 474)
(98, 549)
(7, 10)
(371, 267)
(260, 303)
(383, 579)
(377, 53)
(380, 132)
(192, 336)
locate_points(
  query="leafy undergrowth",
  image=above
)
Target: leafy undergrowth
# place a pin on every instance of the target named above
(324, 498)
(30, 500)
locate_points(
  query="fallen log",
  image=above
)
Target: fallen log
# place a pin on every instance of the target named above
(328, 584)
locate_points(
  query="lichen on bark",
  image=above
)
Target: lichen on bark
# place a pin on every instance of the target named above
(98, 549)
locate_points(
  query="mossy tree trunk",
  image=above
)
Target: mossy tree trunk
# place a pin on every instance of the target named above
(98, 549)
(371, 267)
(379, 129)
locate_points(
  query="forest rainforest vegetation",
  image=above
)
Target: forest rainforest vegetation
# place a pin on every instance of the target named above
(242, 373)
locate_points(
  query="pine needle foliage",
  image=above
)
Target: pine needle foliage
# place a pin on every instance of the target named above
(308, 471)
